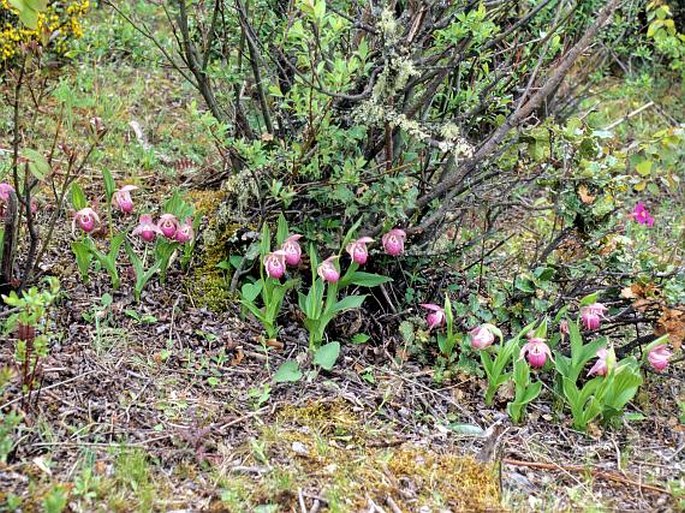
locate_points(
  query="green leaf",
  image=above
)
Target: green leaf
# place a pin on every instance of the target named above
(250, 291)
(109, 184)
(348, 303)
(78, 198)
(37, 5)
(363, 279)
(281, 230)
(38, 165)
(29, 17)
(589, 299)
(466, 429)
(360, 338)
(327, 355)
(83, 257)
(289, 371)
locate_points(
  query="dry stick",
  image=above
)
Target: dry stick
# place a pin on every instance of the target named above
(611, 476)
(255, 62)
(628, 116)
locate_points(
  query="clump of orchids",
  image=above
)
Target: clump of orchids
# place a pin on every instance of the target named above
(160, 239)
(603, 391)
(323, 294)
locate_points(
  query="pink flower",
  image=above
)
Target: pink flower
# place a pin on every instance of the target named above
(184, 233)
(481, 337)
(86, 219)
(658, 357)
(641, 215)
(147, 229)
(563, 327)
(393, 242)
(436, 315)
(274, 264)
(293, 251)
(358, 250)
(591, 315)
(601, 367)
(168, 225)
(536, 352)
(122, 198)
(5, 190)
(328, 271)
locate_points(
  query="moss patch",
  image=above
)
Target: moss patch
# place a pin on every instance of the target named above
(327, 451)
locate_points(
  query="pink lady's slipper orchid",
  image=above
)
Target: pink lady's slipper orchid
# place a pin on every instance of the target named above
(293, 251)
(328, 271)
(536, 352)
(393, 242)
(358, 250)
(185, 231)
(563, 327)
(601, 366)
(168, 225)
(122, 198)
(658, 357)
(147, 229)
(481, 337)
(86, 219)
(641, 215)
(436, 315)
(274, 264)
(5, 190)
(591, 315)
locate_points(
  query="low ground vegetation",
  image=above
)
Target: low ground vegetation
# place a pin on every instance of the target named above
(327, 257)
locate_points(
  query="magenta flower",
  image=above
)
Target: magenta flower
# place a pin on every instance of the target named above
(184, 233)
(601, 367)
(5, 190)
(168, 225)
(122, 198)
(591, 315)
(274, 264)
(358, 250)
(436, 315)
(641, 215)
(86, 219)
(293, 251)
(536, 352)
(147, 229)
(658, 357)
(328, 271)
(481, 337)
(393, 242)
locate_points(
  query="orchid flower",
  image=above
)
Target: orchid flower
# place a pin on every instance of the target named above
(436, 315)
(122, 198)
(185, 233)
(393, 242)
(601, 367)
(481, 337)
(168, 225)
(5, 190)
(328, 271)
(147, 229)
(536, 352)
(358, 250)
(274, 264)
(293, 251)
(591, 315)
(658, 357)
(641, 215)
(86, 219)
